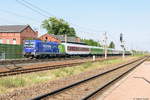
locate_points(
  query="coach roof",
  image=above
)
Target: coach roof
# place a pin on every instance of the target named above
(12, 28)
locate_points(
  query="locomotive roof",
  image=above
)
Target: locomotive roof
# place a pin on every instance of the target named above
(41, 41)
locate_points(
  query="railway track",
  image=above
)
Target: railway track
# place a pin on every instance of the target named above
(88, 88)
(21, 70)
(24, 61)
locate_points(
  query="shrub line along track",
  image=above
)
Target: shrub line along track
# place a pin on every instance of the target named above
(134, 64)
(47, 67)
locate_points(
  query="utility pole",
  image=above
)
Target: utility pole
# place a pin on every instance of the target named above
(65, 38)
(66, 43)
(105, 44)
(122, 45)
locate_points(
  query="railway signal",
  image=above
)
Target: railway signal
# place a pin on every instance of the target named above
(121, 37)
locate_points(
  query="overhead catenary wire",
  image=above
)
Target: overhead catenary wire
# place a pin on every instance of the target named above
(42, 10)
(30, 7)
(47, 14)
(18, 15)
(10, 21)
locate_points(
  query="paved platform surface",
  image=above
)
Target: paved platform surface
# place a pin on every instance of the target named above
(135, 86)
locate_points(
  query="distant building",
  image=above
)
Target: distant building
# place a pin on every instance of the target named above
(58, 38)
(16, 34)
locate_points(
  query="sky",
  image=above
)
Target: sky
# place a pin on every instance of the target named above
(90, 18)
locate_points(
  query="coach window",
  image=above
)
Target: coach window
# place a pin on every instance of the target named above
(69, 48)
(74, 48)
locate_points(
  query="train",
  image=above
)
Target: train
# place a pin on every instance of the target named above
(41, 49)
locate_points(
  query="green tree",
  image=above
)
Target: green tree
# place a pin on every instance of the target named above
(58, 27)
(111, 45)
(90, 42)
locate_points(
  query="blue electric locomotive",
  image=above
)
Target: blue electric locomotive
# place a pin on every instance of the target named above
(39, 49)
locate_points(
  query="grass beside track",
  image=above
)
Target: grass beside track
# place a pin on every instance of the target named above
(8, 84)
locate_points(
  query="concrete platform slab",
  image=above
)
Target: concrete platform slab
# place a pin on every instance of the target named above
(135, 86)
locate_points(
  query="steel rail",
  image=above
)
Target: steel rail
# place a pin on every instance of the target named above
(23, 61)
(82, 81)
(36, 69)
(89, 96)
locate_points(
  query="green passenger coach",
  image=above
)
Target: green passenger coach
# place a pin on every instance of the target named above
(96, 50)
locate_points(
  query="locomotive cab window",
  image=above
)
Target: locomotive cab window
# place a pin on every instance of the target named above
(29, 44)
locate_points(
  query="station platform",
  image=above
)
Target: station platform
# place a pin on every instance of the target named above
(134, 86)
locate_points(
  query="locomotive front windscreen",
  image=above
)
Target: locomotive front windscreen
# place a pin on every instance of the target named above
(29, 44)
